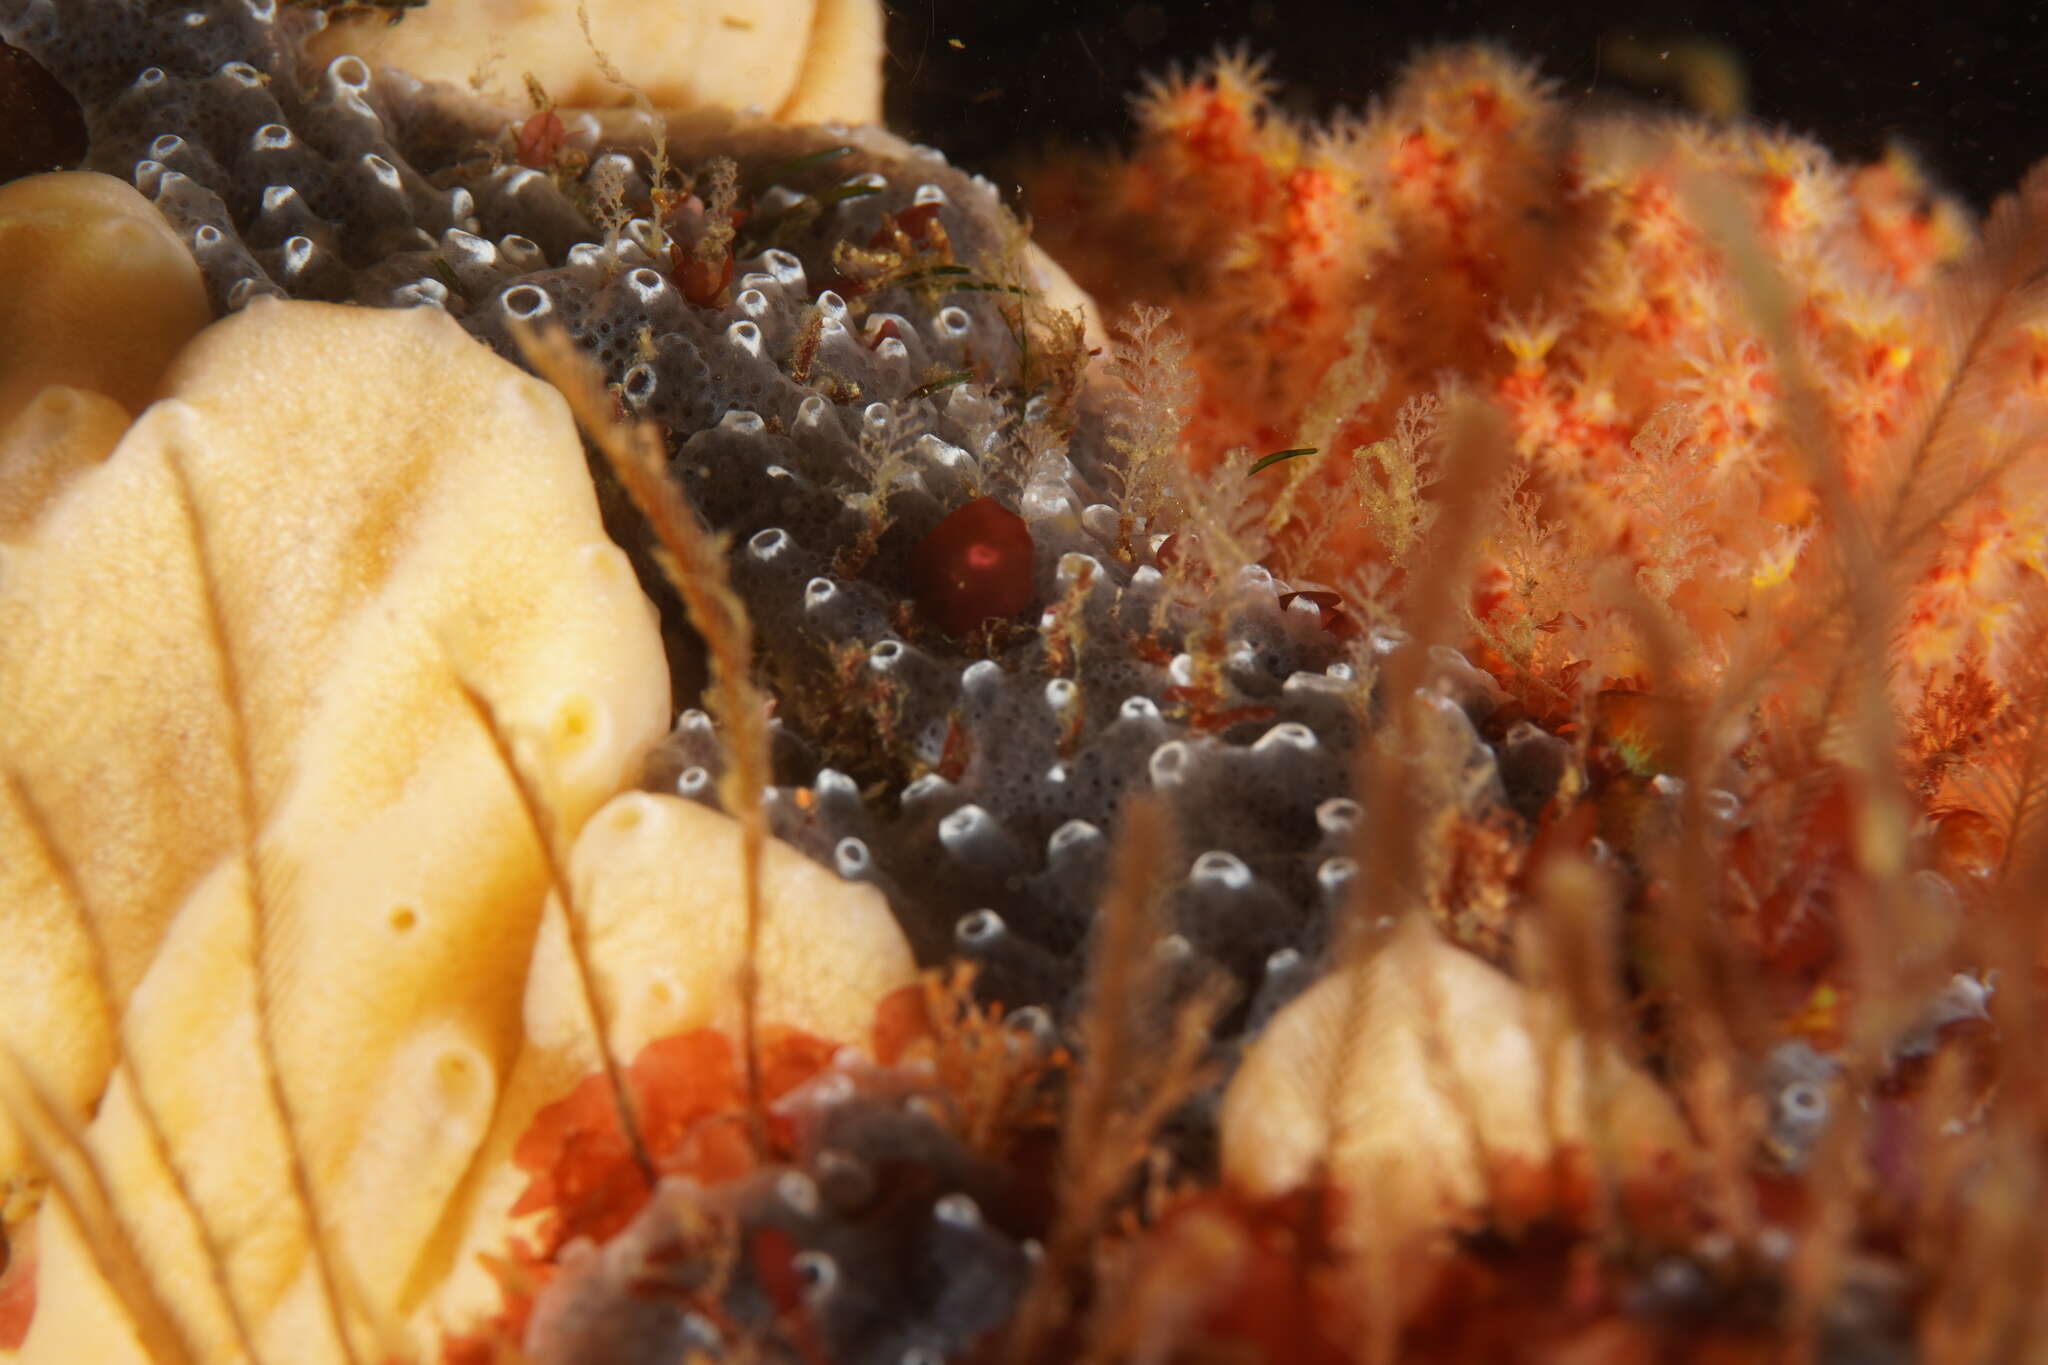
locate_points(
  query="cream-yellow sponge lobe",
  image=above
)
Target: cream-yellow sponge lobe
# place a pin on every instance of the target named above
(799, 61)
(288, 558)
(1421, 1081)
(658, 886)
(98, 292)
(59, 432)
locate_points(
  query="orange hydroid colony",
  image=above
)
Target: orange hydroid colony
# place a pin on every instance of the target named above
(1618, 285)
(1462, 782)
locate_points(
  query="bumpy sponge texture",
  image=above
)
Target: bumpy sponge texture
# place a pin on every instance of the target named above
(802, 60)
(1430, 1083)
(354, 503)
(99, 293)
(60, 432)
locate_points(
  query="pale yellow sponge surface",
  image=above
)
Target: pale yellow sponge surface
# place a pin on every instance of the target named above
(58, 433)
(370, 493)
(799, 61)
(98, 292)
(1428, 1079)
(841, 77)
(657, 881)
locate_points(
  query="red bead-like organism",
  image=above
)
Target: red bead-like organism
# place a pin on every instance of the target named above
(541, 139)
(975, 566)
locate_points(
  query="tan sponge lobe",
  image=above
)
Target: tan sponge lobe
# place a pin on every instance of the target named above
(98, 293)
(354, 502)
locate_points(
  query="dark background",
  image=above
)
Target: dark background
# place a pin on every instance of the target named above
(1963, 84)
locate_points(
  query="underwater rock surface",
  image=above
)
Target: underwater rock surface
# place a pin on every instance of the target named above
(1003, 579)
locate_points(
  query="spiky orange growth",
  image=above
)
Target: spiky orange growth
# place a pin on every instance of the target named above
(1475, 231)
(689, 1095)
(1740, 380)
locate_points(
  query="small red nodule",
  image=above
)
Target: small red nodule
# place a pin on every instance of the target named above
(974, 566)
(701, 281)
(17, 1302)
(541, 139)
(772, 1250)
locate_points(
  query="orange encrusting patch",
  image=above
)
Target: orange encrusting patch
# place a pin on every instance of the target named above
(17, 1301)
(689, 1098)
(690, 1102)
(1280, 1284)
(1276, 1284)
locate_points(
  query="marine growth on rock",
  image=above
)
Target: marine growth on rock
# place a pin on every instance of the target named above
(1461, 782)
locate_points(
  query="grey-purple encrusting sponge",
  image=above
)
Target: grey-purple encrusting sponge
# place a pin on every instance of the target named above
(896, 1245)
